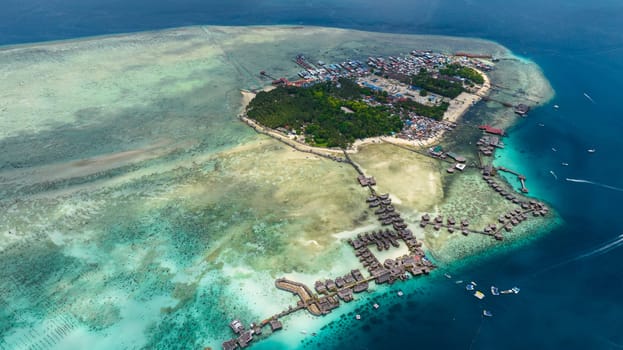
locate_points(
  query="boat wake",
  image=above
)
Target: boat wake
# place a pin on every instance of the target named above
(602, 249)
(614, 188)
(589, 98)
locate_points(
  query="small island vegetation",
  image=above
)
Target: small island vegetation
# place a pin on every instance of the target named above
(329, 114)
(467, 73)
(336, 113)
(426, 81)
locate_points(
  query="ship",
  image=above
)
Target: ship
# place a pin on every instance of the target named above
(495, 290)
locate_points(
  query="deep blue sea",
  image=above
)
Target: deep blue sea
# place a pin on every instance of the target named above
(572, 278)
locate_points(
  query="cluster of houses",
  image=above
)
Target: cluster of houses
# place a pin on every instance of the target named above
(245, 336)
(409, 65)
(343, 286)
(321, 71)
(488, 143)
(423, 128)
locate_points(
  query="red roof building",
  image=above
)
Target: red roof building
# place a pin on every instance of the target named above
(491, 130)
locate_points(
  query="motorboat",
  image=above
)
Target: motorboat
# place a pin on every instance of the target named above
(487, 313)
(480, 295)
(495, 290)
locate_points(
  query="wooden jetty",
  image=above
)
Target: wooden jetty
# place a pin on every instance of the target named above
(522, 178)
(329, 292)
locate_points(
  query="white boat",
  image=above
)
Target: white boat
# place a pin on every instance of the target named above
(564, 164)
(473, 283)
(553, 174)
(303, 332)
(589, 97)
(459, 282)
(592, 150)
(515, 290)
(487, 313)
(495, 290)
(358, 317)
(400, 293)
(376, 306)
(507, 291)
(555, 150)
(469, 286)
(541, 124)
(556, 106)
(447, 275)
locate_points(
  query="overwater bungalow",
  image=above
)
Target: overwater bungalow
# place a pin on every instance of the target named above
(245, 338)
(275, 325)
(346, 294)
(360, 287)
(231, 344)
(374, 204)
(331, 285)
(236, 326)
(320, 287)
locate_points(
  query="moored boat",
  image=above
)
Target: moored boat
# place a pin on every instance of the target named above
(480, 295)
(495, 290)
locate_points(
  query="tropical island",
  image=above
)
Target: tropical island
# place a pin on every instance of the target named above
(332, 105)
(153, 216)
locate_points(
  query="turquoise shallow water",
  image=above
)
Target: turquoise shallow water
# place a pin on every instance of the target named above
(578, 46)
(143, 214)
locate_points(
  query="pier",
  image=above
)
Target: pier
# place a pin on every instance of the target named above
(522, 178)
(329, 292)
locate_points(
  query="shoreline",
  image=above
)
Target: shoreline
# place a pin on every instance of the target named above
(263, 201)
(457, 109)
(121, 35)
